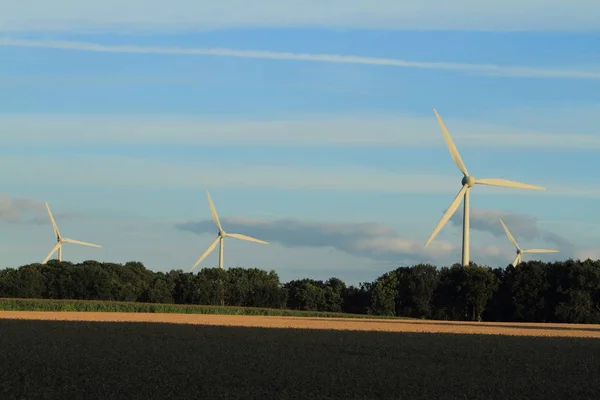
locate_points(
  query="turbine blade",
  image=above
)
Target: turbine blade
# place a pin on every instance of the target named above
(507, 183)
(244, 237)
(449, 212)
(79, 242)
(510, 237)
(54, 226)
(213, 211)
(451, 146)
(56, 247)
(539, 251)
(517, 260)
(207, 252)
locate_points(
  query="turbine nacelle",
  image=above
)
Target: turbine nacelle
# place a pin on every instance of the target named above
(468, 180)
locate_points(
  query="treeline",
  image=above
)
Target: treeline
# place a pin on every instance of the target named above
(566, 291)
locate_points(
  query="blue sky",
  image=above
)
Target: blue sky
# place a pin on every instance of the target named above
(311, 124)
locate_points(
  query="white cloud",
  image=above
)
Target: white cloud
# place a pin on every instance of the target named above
(377, 130)
(188, 15)
(481, 69)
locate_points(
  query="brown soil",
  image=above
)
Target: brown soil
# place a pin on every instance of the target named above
(494, 328)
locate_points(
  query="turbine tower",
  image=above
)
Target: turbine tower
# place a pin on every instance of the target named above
(467, 183)
(60, 240)
(520, 252)
(221, 235)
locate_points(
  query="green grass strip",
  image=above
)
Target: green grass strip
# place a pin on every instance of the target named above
(8, 304)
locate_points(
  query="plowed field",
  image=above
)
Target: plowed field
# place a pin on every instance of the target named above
(76, 355)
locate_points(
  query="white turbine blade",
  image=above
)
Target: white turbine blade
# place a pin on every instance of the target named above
(517, 260)
(507, 183)
(213, 211)
(539, 251)
(449, 212)
(244, 237)
(51, 252)
(54, 226)
(79, 242)
(510, 237)
(207, 252)
(451, 146)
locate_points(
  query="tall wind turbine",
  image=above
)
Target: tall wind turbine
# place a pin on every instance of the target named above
(467, 183)
(221, 235)
(61, 239)
(519, 251)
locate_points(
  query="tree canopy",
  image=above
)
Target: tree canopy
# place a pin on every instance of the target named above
(533, 291)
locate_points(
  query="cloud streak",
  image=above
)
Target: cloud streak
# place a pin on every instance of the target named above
(137, 16)
(479, 69)
(373, 130)
(132, 172)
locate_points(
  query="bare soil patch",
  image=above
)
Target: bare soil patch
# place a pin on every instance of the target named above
(423, 326)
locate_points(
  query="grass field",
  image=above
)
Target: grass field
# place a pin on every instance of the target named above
(141, 360)
(7, 304)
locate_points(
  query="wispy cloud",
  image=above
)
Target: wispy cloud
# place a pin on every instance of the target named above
(17, 210)
(132, 172)
(358, 130)
(481, 69)
(189, 15)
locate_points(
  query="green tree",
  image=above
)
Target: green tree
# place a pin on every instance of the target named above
(416, 289)
(384, 294)
(306, 294)
(463, 293)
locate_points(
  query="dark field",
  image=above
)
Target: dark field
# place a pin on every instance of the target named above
(119, 360)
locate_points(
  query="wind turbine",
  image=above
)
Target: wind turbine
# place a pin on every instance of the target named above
(221, 235)
(467, 183)
(61, 239)
(519, 250)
